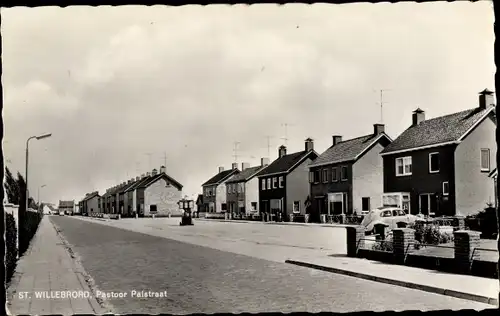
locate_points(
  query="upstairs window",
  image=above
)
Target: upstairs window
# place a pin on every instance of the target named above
(403, 166)
(280, 182)
(334, 175)
(316, 176)
(325, 175)
(275, 183)
(269, 183)
(263, 184)
(311, 177)
(343, 174)
(446, 188)
(485, 159)
(433, 162)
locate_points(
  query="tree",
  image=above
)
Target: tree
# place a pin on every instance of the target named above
(12, 188)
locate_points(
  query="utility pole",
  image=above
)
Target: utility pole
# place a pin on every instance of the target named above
(285, 138)
(235, 150)
(382, 103)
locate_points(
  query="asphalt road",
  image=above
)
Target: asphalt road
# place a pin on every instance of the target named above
(205, 280)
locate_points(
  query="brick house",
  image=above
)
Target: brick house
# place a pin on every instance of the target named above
(348, 177)
(158, 195)
(242, 189)
(68, 207)
(284, 184)
(90, 203)
(214, 190)
(440, 166)
(130, 201)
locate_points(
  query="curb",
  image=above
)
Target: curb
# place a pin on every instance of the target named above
(272, 223)
(415, 286)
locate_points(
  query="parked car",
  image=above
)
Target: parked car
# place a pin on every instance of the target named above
(390, 216)
(61, 213)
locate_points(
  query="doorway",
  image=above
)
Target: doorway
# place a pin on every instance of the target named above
(428, 204)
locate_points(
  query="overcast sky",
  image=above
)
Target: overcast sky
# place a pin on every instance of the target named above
(115, 83)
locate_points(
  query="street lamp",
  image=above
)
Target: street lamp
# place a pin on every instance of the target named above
(186, 205)
(40, 187)
(27, 157)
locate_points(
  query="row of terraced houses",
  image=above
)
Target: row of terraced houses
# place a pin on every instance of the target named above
(152, 193)
(441, 166)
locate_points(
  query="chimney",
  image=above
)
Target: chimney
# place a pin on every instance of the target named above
(137, 178)
(132, 179)
(234, 165)
(418, 116)
(163, 169)
(309, 145)
(264, 162)
(148, 174)
(143, 176)
(221, 169)
(281, 151)
(245, 165)
(486, 99)
(336, 139)
(129, 181)
(378, 129)
(154, 172)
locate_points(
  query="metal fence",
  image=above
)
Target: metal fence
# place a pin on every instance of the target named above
(344, 219)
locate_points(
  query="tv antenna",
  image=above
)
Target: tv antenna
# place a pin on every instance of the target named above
(381, 103)
(165, 160)
(235, 150)
(268, 137)
(285, 138)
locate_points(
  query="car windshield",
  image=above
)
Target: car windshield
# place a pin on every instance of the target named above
(387, 213)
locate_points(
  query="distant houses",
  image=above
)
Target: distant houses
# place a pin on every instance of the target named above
(68, 207)
(441, 166)
(89, 204)
(154, 193)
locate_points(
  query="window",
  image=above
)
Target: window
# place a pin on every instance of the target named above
(275, 183)
(433, 162)
(296, 206)
(241, 188)
(316, 176)
(152, 209)
(403, 166)
(269, 183)
(334, 175)
(485, 159)
(280, 180)
(311, 177)
(401, 213)
(229, 188)
(343, 173)
(386, 213)
(365, 204)
(325, 175)
(263, 184)
(254, 206)
(224, 207)
(446, 188)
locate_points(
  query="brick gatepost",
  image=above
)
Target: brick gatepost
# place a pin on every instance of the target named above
(355, 236)
(403, 242)
(465, 242)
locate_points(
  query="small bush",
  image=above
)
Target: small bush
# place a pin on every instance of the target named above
(10, 245)
(384, 245)
(484, 222)
(430, 234)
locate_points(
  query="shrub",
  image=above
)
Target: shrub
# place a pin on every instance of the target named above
(384, 245)
(430, 234)
(485, 222)
(27, 228)
(10, 245)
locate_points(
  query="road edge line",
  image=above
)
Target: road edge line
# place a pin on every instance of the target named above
(411, 285)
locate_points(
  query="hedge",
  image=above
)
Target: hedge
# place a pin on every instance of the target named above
(484, 222)
(27, 229)
(10, 245)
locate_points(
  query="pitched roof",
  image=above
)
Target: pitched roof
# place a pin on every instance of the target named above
(246, 174)
(199, 199)
(439, 130)
(221, 176)
(66, 203)
(122, 189)
(157, 177)
(347, 150)
(137, 183)
(91, 195)
(285, 163)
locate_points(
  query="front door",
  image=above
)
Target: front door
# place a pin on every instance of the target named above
(428, 204)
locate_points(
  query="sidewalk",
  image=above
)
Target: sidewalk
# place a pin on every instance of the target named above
(268, 223)
(467, 287)
(48, 267)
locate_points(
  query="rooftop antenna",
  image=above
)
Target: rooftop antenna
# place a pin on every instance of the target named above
(235, 150)
(382, 102)
(165, 160)
(285, 138)
(268, 137)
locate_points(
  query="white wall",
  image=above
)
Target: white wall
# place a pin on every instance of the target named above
(164, 197)
(368, 179)
(220, 196)
(251, 194)
(473, 188)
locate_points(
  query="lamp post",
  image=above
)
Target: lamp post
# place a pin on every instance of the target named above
(27, 159)
(40, 187)
(186, 205)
